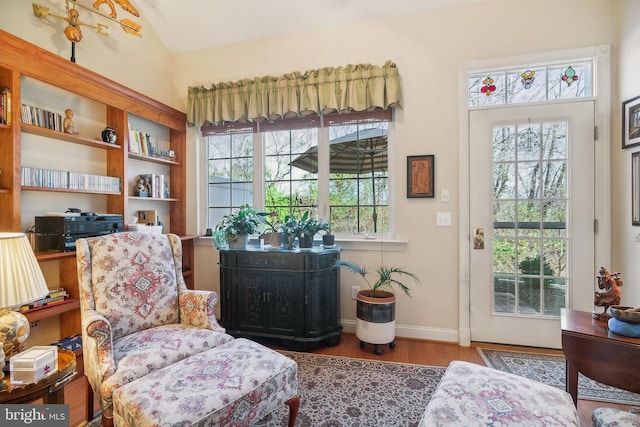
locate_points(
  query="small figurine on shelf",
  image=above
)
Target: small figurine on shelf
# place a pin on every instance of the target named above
(67, 124)
(141, 188)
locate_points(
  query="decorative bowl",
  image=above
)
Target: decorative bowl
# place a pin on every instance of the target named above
(620, 312)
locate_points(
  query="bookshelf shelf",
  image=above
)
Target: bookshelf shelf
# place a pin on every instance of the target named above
(76, 139)
(54, 255)
(52, 310)
(69, 190)
(151, 159)
(154, 199)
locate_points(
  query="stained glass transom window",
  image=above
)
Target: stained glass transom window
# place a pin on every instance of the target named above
(531, 84)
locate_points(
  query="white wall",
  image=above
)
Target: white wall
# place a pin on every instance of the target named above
(427, 49)
(626, 251)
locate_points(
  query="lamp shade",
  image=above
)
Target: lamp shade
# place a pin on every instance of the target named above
(21, 279)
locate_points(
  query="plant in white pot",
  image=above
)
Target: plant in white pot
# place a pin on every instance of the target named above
(375, 307)
(238, 226)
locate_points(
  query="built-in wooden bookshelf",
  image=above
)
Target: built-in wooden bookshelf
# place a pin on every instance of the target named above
(23, 64)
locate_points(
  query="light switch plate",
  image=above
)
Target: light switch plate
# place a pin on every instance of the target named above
(443, 219)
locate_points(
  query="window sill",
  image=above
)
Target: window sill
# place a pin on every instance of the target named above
(375, 244)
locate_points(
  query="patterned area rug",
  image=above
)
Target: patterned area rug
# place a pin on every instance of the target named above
(339, 391)
(551, 369)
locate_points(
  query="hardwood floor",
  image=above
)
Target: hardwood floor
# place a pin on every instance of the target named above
(406, 351)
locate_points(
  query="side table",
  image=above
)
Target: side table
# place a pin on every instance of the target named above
(50, 388)
(593, 350)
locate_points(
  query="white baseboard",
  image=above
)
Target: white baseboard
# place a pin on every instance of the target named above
(408, 331)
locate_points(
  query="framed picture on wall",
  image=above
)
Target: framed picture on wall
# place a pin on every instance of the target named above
(635, 188)
(420, 176)
(631, 122)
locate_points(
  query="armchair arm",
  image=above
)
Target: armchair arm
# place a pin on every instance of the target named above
(99, 361)
(196, 309)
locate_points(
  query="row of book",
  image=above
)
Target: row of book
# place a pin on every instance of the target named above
(152, 185)
(55, 296)
(142, 143)
(5, 106)
(49, 178)
(42, 118)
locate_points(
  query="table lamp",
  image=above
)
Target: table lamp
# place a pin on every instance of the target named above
(21, 282)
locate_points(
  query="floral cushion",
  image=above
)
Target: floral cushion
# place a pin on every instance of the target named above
(472, 395)
(143, 352)
(229, 385)
(611, 417)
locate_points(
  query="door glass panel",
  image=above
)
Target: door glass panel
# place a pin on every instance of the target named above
(529, 214)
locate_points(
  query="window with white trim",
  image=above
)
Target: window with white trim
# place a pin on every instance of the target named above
(335, 167)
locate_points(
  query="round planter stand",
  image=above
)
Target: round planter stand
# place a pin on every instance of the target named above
(375, 319)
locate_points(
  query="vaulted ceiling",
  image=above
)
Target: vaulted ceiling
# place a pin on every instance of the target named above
(185, 25)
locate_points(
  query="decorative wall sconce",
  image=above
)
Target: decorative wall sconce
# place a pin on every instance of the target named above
(73, 32)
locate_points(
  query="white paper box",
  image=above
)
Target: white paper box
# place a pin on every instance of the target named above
(33, 364)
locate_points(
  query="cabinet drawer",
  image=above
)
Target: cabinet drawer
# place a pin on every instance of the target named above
(279, 260)
(320, 262)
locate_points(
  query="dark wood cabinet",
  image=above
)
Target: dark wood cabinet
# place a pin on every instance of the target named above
(288, 295)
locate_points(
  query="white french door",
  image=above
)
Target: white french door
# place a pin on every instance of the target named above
(532, 219)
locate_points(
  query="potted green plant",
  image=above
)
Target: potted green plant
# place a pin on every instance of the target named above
(375, 306)
(309, 227)
(291, 229)
(328, 238)
(238, 226)
(273, 228)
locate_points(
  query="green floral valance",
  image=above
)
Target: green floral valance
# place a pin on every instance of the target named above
(361, 87)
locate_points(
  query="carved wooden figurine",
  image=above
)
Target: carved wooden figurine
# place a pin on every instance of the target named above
(610, 293)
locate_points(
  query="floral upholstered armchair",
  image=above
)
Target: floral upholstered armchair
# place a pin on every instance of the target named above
(137, 314)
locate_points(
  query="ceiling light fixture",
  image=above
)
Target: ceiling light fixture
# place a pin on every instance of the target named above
(72, 30)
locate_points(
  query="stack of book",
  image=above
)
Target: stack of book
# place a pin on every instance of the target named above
(5, 106)
(55, 296)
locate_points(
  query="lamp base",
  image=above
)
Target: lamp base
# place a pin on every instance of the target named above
(14, 331)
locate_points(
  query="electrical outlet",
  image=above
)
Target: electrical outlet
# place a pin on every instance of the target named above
(354, 292)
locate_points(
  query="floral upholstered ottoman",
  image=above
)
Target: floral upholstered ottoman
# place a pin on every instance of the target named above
(230, 385)
(612, 417)
(471, 395)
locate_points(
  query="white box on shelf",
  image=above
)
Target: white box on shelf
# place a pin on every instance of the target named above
(33, 364)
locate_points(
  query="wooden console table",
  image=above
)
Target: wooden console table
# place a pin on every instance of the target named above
(604, 356)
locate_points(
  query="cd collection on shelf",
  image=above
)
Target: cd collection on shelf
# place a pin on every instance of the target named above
(49, 178)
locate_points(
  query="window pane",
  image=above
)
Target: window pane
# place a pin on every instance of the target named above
(230, 180)
(527, 85)
(358, 168)
(487, 89)
(570, 81)
(291, 166)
